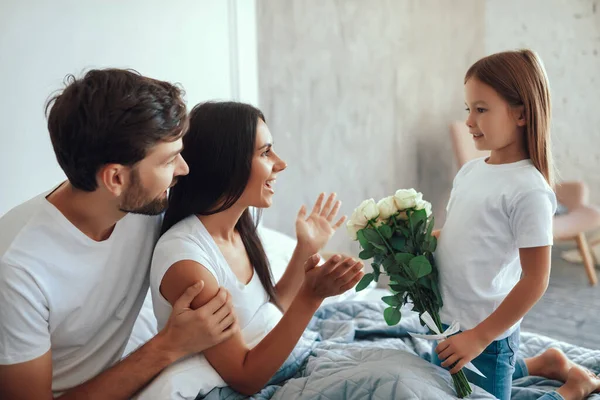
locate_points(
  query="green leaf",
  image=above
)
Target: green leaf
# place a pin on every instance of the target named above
(373, 237)
(404, 258)
(432, 244)
(396, 291)
(420, 266)
(390, 265)
(376, 271)
(376, 275)
(366, 254)
(388, 262)
(430, 227)
(391, 301)
(365, 281)
(425, 281)
(400, 285)
(364, 243)
(392, 316)
(380, 247)
(405, 231)
(397, 288)
(398, 243)
(419, 227)
(394, 269)
(385, 231)
(417, 218)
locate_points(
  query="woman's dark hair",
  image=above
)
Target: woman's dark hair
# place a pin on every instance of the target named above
(219, 147)
(111, 116)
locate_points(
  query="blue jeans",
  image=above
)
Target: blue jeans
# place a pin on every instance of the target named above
(497, 363)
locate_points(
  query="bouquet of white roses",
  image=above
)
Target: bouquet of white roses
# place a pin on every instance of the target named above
(396, 233)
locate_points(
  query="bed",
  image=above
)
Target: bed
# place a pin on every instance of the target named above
(348, 352)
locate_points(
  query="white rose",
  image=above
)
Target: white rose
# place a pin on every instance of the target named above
(352, 230)
(419, 198)
(387, 207)
(424, 205)
(366, 211)
(406, 198)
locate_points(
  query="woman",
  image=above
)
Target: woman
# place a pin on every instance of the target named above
(210, 236)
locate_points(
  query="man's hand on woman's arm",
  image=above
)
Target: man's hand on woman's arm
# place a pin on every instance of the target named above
(187, 331)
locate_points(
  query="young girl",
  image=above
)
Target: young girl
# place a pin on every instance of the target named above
(494, 249)
(211, 237)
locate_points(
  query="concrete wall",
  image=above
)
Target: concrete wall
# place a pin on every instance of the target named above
(359, 95)
(209, 46)
(566, 34)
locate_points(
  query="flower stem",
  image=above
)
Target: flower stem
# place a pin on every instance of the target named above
(407, 273)
(461, 384)
(382, 238)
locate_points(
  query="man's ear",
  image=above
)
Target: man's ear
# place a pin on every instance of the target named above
(114, 177)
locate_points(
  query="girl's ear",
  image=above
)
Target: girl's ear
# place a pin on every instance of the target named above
(519, 115)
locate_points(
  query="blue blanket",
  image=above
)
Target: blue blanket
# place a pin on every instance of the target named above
(348, 352)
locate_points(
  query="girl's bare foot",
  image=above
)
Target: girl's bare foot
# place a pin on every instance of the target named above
(552, 364)
(580, 383)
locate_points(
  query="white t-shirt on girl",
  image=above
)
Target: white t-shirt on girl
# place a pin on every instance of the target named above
(493, 211)
(189, 240)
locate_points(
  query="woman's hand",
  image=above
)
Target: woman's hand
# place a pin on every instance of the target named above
(334, 277)
(313, 232)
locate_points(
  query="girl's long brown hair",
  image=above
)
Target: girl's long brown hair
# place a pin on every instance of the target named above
(520, 78)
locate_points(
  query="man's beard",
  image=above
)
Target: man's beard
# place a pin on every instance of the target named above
(135, 199)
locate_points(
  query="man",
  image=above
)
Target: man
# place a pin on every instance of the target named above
(74, 262)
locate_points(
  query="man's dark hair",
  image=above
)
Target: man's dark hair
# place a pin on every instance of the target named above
(111, 116)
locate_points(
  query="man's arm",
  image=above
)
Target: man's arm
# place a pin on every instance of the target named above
(187, 331)
(33, 379)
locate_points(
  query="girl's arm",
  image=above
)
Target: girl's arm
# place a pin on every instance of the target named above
(247, 371)
(535, 263)
(464, 347)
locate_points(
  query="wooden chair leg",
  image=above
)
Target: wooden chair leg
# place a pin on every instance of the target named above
(587, 258)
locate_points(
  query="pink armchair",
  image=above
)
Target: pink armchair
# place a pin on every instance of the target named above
(580, 217)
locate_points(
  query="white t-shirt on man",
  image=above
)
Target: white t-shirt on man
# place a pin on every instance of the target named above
(493, 211)
(62, 291)
(257, 316)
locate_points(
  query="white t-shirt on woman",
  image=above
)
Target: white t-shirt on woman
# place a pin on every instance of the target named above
(189, 240)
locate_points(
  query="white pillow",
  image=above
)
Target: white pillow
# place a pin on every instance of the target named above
(279, 248)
